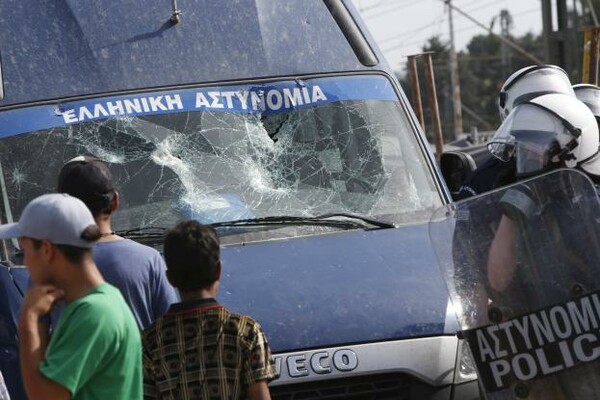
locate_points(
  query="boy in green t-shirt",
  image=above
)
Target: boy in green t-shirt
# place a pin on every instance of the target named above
(95, 350)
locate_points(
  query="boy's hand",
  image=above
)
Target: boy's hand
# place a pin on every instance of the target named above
(40, 299)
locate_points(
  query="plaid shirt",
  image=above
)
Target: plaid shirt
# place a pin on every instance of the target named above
(200, 350)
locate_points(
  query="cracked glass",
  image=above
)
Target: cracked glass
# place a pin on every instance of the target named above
(357, 156)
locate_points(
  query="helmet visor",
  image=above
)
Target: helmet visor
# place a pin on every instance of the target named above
(590, 96)
(534, 154)
(533, 151)
(533, 136)
(502, 144)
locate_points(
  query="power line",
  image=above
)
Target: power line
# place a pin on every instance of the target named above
(519, 14)
(394, 8)
(376, 5)
(466, 28)
(404, 44)
(413, 31)
(380, 4)
(503, 39)
(531, 10)
(423, 39)
(484, 5)
(472, 2)
(437, 20)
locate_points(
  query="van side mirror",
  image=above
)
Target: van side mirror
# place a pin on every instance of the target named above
(456, 166)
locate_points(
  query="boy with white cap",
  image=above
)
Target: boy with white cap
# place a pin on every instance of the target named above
(95, 349)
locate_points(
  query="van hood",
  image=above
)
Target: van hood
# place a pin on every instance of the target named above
(352, 287)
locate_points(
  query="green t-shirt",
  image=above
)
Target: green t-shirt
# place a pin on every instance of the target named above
(95, 351)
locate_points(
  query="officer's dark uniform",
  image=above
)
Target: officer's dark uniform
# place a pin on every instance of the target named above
(470, 263)
(492, 174)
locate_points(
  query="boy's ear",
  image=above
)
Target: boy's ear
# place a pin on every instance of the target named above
(115, 202)
(218, 271)
(48, 250)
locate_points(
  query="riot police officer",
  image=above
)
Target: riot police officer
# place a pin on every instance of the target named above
(548, 132)
(590, 96)
(523, 85)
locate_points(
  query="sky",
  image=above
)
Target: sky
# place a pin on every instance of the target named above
(402, 27)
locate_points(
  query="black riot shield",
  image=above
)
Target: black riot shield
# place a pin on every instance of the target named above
(522, 266)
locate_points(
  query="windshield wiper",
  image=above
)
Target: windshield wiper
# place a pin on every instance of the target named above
(332, 220)
(342, 221)
(146, 232)
(369, 221)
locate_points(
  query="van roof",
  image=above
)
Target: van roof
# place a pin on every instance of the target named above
(59, 49)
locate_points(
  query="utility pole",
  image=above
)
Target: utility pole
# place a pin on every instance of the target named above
(593, 12)
(433, 106)
(454, 79)
(559, 36)
(505, 25)
(415, 89)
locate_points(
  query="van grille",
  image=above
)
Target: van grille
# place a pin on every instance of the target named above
(375, 387)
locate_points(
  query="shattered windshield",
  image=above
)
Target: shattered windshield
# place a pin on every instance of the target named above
(287, 148)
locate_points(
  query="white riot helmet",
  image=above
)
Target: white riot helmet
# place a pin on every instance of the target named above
(530, 82)
(547, 132)
(590, 96)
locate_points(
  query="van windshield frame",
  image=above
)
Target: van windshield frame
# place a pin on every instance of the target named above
(291, 147)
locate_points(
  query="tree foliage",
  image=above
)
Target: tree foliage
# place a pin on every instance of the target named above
(483, 67)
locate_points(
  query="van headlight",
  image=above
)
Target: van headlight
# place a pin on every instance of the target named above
(465, 365)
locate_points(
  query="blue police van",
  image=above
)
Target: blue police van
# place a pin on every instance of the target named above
(280, 123)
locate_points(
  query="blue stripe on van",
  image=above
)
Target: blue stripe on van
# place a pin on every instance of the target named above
(265, 98)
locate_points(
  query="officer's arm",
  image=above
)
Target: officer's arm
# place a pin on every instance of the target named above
(502, 257)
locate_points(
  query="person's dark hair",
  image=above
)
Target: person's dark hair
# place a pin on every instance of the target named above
(192, 254)
(90, 180)
(75, 254)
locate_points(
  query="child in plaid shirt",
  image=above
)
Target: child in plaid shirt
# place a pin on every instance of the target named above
(199, 349)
